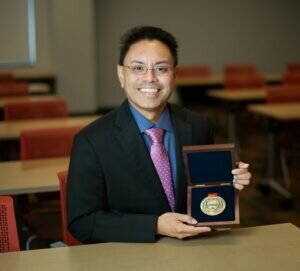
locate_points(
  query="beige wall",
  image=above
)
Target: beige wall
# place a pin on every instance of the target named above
(213, 32)
(66, 44)
(79, 39)
(73, 51)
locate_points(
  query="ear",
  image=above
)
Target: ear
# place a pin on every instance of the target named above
(121, 75)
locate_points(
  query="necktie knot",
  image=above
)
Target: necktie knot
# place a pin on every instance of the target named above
(155, 134)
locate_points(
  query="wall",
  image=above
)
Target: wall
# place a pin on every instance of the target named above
(211, 32)
(65, 42)
(15, 39)
(73, 52)
(79, 40)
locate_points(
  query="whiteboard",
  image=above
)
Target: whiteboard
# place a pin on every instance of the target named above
(17, 33)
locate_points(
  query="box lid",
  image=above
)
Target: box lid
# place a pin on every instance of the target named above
(209, 164)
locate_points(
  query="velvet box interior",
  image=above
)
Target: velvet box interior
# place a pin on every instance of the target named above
(212, 198)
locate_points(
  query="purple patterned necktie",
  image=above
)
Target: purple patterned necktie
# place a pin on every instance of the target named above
(161, 162)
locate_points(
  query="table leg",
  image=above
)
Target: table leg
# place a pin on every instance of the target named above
(231, 127)
(232, 133)
(270, 180)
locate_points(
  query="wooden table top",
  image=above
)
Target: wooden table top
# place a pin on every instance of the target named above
(4, 100)
(26, 74)
(12, 129)
(32, 176)
(278, 111)
(216, 80)
(238, 94)
(39, 88)
(198, 80)
(268, 248)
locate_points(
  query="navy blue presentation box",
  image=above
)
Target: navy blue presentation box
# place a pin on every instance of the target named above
(211, 196)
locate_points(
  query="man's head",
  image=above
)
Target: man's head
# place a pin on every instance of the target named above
(146, 69)
(148, 33)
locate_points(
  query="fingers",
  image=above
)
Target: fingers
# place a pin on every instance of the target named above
(185, 218)
(186, 231)
(179, 226)
(238, 186)
(242, 181)
(245, 176)
(241, 176)
(242, 165)
(241, 168)
(238, 171)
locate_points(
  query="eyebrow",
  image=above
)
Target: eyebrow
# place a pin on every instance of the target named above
(157, 63)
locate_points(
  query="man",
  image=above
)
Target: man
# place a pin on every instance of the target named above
(115, 190)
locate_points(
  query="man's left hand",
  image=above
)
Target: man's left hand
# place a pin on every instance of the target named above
(241, 176)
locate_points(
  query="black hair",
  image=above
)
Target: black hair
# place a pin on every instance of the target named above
(147, 33)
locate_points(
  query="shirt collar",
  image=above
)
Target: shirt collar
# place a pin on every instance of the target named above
(164, 121)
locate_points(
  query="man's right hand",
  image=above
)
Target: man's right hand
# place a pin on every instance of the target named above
(179, 226)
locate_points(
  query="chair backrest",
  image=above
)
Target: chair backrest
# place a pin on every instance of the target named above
(291, 78)
(47, 142)
(39, 109)
(7, 77)
(244, 81)
(68, 238)
(9, 240)
(283, 94)
(194, 70)
(239, 69)
(8, 89)
(293, 67)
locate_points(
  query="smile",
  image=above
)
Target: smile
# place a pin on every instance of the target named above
(149, 90)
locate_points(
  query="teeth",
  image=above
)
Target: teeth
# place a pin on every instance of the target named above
(149, 90)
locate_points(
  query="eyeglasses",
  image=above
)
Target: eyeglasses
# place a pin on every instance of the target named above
(141, 69)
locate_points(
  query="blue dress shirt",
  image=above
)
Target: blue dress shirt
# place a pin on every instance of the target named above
(164, 122)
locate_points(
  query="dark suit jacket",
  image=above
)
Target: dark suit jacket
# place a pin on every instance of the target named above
(113, 192)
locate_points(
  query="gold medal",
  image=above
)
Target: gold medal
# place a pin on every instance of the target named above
(213, 205)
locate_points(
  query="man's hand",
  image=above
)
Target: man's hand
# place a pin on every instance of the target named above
(241, 176)
(178, 225)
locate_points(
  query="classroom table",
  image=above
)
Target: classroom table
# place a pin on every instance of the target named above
(268, 248)
(11, 129)
(35, 76)
(12, 99)
(216, 80)
(31, 176)
(39, 88)
(275, 114)
(28, 74)
(234, 99)
(188, 81)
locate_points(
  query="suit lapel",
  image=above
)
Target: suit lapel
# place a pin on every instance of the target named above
(133, 143)
(183, 136)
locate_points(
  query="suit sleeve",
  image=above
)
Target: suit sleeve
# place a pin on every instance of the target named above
(90, 218)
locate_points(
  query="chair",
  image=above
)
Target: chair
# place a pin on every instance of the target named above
(38, 109)
(7, 77)
(239, 69)
(8, 89)
(67, 236)
(9, 240)
(288, 140)
(47, 142)
(243, 81)
(194, 70)
(291, 78)
(283, 94)
(293, 67)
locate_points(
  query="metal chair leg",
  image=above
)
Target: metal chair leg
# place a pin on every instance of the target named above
(285, 169)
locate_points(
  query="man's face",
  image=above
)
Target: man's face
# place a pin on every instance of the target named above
(148, 92)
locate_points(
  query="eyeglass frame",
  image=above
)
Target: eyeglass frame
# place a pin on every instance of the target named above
(131, 68)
